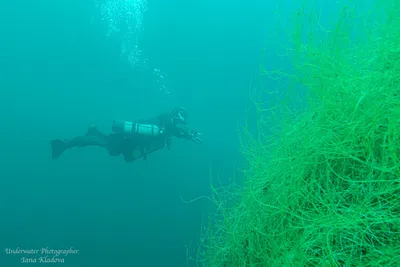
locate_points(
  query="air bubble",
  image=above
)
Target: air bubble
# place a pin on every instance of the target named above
(124, 19)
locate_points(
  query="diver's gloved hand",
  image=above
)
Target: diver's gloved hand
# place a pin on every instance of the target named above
(195, 136)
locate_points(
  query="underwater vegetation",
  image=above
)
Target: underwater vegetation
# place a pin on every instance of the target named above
(323, 188)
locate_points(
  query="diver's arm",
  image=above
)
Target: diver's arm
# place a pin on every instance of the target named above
(184, 132)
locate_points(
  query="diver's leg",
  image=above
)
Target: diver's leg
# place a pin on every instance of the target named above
(59, 146)
(93, 131)
(87, 140)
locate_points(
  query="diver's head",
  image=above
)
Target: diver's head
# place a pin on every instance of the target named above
(179, 115)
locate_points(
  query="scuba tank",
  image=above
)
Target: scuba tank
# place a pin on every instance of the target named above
(127, 127)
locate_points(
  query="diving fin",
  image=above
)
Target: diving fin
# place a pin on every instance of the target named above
(58, 147)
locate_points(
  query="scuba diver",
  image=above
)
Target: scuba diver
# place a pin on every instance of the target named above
(134, 140)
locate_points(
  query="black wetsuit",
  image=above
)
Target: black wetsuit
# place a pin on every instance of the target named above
(132, 146)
